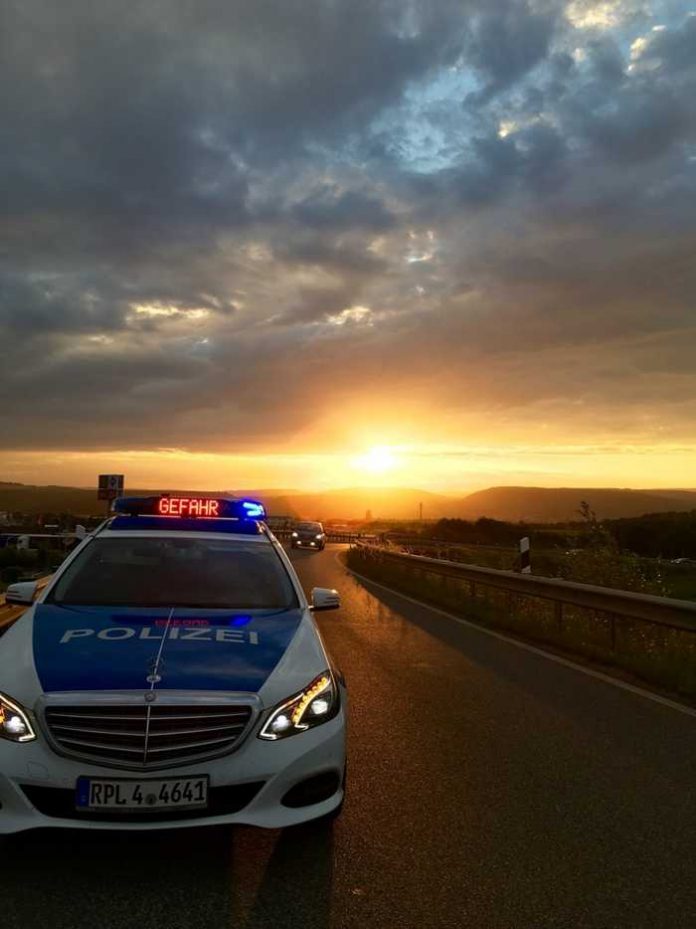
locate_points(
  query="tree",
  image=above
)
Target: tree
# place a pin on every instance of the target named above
(599, 561)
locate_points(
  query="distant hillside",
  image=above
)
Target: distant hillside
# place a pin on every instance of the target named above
(28, 498)
(512, 504)
(560, 504)
(351, 503)
(380, 502)
(79, 501)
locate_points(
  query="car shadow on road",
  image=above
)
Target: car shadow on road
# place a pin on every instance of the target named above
(292, 887)
(217, 878)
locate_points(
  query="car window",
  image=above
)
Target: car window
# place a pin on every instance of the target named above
(207, 573)
(313, 527)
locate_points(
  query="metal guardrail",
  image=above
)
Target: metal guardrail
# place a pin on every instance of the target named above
(659, 611)
(344, 537)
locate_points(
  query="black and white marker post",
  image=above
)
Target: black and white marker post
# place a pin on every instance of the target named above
(525, 556)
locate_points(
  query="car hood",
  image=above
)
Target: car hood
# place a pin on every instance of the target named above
(109, 648)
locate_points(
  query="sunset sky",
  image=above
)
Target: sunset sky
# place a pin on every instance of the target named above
(323, 243)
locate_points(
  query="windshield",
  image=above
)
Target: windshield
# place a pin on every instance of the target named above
(309, 527)
(158, 572)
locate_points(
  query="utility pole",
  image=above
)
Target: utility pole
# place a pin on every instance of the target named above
(420, 511)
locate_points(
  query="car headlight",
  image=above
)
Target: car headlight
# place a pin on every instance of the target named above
(320, 536)
(294, 535)
(316, 704)
(14, 722)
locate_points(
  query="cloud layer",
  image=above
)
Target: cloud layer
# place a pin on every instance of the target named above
(228, 226)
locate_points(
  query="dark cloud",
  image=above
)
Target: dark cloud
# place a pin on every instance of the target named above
(336, 254)
(642, 123)
(350, 209)
(506, 41)
(607, 62)
(211, 207)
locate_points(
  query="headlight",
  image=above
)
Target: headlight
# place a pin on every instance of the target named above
(320, 536)
(316, 704)
(294, 535)
(14, 722)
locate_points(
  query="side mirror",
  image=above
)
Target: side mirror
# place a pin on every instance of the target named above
(21, 593)
(324, 598)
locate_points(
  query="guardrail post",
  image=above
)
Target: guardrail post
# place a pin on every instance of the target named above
(558, 613)
(612, 627)
(525, 556)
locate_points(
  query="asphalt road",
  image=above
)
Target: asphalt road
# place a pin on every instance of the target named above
(489, 788)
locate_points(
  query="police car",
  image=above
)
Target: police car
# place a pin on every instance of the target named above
(170, 674)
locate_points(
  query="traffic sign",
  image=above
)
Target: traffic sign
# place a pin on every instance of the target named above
(110, 486)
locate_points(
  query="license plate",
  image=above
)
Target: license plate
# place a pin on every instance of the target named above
(123, 795)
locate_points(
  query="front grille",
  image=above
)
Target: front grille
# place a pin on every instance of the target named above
(60, 802)
(147, 735)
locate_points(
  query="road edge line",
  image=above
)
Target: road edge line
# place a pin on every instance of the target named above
(558, 659)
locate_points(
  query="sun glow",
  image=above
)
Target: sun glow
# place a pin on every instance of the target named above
(377, 461)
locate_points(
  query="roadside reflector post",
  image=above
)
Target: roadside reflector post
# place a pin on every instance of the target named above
(525, 557)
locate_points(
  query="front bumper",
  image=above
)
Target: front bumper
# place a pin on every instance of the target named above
(263, 771)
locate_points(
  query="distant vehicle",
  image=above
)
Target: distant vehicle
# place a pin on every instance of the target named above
(171, 673)
(684, 562)
(308, 535)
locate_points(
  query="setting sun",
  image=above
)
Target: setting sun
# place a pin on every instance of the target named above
(377, 461)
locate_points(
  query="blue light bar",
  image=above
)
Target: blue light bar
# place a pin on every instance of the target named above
(171, 505)
(253, 509)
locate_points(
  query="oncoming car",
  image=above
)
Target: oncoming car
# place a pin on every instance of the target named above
(171, 673)
(308, 535)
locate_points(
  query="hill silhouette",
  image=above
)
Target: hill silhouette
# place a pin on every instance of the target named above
(560, 504)
(511, 504)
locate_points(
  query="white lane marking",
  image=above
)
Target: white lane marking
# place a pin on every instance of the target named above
(566, 662)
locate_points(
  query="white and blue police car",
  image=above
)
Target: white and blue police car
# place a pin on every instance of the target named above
(170, 674)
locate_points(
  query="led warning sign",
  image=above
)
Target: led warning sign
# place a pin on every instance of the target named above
(188, 506)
